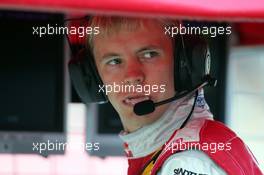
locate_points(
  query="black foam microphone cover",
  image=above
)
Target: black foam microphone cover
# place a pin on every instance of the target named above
(144, 107)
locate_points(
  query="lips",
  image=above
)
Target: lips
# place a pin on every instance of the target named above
(131, 101)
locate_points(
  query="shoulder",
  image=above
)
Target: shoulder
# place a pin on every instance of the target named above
(203, 138)
(190, 162)
(213, 128)
(204, 130)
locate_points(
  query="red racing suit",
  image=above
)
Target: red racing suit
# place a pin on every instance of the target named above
(202, 147)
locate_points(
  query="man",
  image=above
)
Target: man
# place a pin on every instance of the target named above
(136, 52)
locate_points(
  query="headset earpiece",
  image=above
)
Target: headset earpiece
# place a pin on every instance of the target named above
(85, 77)
(191, 62)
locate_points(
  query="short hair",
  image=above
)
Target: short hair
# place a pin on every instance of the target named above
(113, 24)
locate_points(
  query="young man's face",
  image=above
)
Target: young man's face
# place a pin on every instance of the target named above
(143, 57)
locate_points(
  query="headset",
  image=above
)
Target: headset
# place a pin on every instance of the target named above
(191, 66)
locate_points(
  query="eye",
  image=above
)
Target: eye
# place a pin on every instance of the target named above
(113, 61)
(149, 54)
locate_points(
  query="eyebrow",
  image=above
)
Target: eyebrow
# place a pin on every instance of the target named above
(107, 55)
(148, 48)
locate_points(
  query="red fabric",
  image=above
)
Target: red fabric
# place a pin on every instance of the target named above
(203, 9)
(238, 161)
(251, 33)
(135, 166)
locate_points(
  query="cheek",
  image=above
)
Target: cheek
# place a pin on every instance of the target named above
(110, 79)
(169, 67)
(111, 98)
(105, 76)
(108, 75)
(164, 74)
(164, 70)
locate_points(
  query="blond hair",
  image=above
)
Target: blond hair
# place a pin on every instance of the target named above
(113, 24)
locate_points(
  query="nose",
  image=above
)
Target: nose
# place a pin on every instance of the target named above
(134, 73)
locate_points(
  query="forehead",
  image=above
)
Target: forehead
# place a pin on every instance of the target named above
(134, 33)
